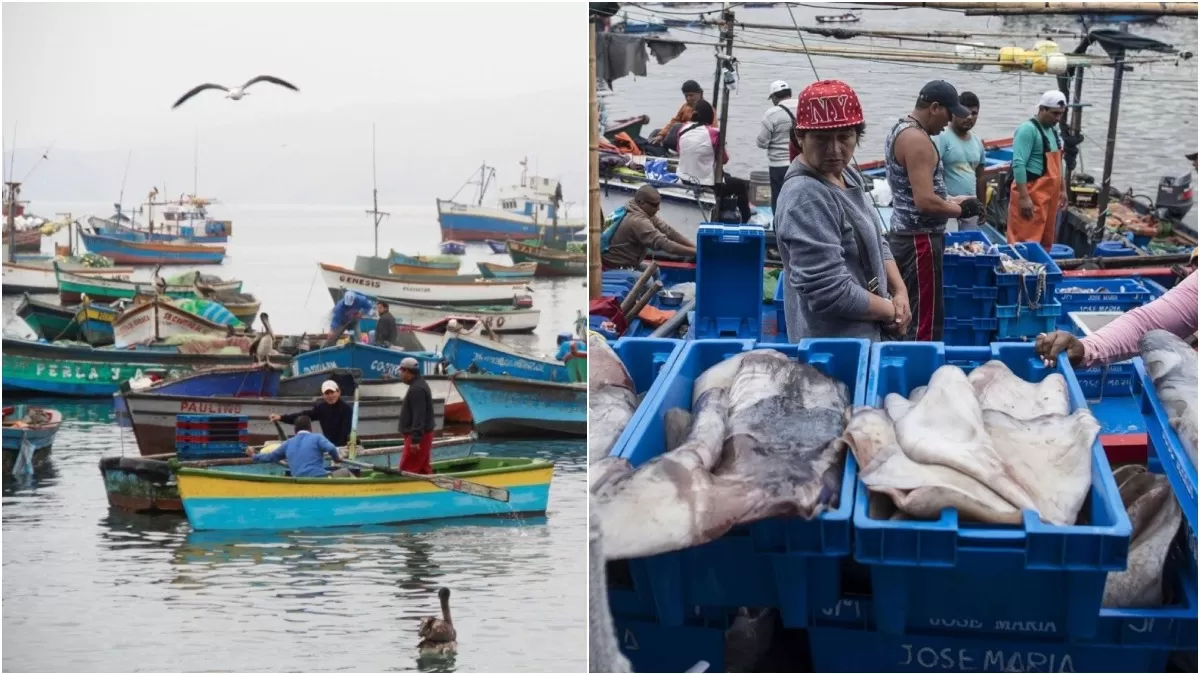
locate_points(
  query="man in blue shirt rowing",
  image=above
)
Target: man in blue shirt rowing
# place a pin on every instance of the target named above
(304, 453)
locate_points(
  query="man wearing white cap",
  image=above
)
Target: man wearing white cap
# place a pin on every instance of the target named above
(332, 413)
(416, 420)
(776, 134)
(1038, 190)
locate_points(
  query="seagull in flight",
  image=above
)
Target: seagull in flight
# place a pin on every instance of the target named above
(235, 93)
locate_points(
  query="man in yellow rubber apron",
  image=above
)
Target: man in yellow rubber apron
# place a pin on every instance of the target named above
(1038, 190)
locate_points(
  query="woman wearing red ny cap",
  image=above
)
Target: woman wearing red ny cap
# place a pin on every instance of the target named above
(839, 277)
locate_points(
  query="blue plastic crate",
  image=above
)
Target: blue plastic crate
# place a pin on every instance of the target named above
(780, 315)
(1156, 289)
(1018, 321)
(1118, 294)
(966, 271)
(969, 331)
(1114, 394)
(782, 562)
(189, 451)
(1167, 448)
(729, 285)
(943, 570)
(1016, 288)
(651, 647)
(972, 302)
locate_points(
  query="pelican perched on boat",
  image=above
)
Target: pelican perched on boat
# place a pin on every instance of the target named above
(236, 93)
(264, 344)
(437, 635)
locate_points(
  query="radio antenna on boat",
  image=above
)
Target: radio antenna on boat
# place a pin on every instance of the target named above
(375, 212)
(121, 195)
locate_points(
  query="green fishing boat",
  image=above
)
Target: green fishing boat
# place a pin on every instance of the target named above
(551, 262)
(49, 321)
(71, 287)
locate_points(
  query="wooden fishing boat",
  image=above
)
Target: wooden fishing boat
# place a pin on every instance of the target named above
(450, 247)
(502, 319)
(155, 320)
(374, 361)
(72, 285)
(152, 415)
(469, 353)
(27, 240)
(848, 17)
(53, 369)
(453, 290)
(221, 500)
(28, 436)
(550, 262)
(151, 252)
(209, 232)
(50, 322)
(497, 246)
(525, 270)
(146, 484)
(422, 265)
(96, 322)
(38, 277)
(511, 407)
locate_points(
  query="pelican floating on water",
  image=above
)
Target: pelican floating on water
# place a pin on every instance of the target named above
(236, 93)
(437, 635)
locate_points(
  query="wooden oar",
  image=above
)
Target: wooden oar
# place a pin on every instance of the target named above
(447, 483)
(352, 444)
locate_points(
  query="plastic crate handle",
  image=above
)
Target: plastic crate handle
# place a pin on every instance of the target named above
(731, 238)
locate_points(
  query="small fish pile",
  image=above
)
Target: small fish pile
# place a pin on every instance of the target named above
(1171, 364)
(967, 248)
(611, 398)
(1155, 516)
(989, 444)
(762, 440)
(1012, 265)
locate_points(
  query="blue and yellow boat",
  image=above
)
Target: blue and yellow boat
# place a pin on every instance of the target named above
(230, 501)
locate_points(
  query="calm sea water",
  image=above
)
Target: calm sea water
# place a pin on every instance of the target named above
(86, 589)
(1158, 114)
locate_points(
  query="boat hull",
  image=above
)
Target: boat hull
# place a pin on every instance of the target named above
(153, 416)
(30, 367)
(48, 321)
(550, 263)
(464, 222)
(409, 265)
(27, 240)
(467, 353)
(40, 438)
(431, 292)
(510, 407)
(147, 485)
(152, 252)
(501, 321)
(96, 323)
(374, 361)
(172, 233)
(523, 271)
(216, 502)
(156, 320)
(40, 279)
(71, 285)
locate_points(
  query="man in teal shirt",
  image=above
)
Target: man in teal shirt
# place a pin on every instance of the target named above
(962, 156)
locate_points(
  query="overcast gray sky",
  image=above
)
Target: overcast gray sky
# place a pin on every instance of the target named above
(448, 85)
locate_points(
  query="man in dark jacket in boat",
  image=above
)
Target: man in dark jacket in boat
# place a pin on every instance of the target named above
(385, 329)
(332, 413)
(641, 230)
(304, 452)
(416, 420)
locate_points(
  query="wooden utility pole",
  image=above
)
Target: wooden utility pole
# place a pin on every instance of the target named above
(11, 202)
(594, 216)
(375, 212)
(722, 64)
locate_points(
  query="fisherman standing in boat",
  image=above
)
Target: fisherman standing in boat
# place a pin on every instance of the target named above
(346, 313)
(776, 135)
(692, 94)
(304, 452)
(641, 230)
(332, 413)
(921, 205)
(1038, 190)
(416, 420)
(385, 329)
(962, 154)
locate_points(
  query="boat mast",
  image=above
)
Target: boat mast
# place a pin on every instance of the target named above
(196, 163)
(11, 201)
(377, 214)
(593, 167)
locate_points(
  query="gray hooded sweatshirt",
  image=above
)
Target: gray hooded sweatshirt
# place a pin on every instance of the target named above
(824, 277)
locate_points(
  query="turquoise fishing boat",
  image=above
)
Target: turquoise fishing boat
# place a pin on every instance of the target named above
(511, 407)
(374, 361)
(524, 270)
(48, 321)
(469, 354)
(230, 501)
(423, 265)
(146, 484)
(28, 436)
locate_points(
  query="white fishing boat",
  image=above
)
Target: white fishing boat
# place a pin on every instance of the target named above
(432, 291)
(156, 320)
(36, 277)
(501, 319)
(523, 211)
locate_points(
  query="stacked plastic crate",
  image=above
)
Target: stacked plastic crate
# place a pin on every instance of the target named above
(1026, 304)
(210, 436)
(969, 289)
(1099, 295)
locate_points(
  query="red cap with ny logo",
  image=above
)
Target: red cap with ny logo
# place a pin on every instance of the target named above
(828, 104)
